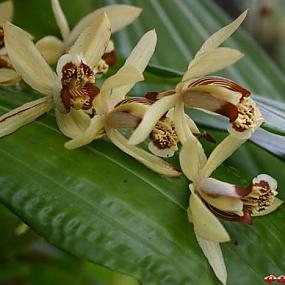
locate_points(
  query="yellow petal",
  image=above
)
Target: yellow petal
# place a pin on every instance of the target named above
(72, 124)
(213, 253)
(119, 15)
(139, 58)
(211, 61)
(151, 117)
(222, 151)
(192, 158)
(51, 49)
(27, 60)
(93, 41)
(23, 115)
(221, 35)
(95, 126)
(8, 77)
(60, 19)
(151, 161)
(181, 126)
(6, 11)
(206, 225)
(128, 74)
(225, 204)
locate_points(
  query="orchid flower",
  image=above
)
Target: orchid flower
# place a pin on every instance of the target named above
(70, 91)
(52, 48)
(114, 111)
(211, 198)
(211, 94)
(8, 75)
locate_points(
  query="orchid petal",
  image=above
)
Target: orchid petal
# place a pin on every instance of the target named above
(23, 115)
(92, 42)
(51, 48)
(27, 60)
(214, 255)
(211, 61)
(139, 58)
(120, 16)
(216, 187)
(6, 11)
(8, 77)
(225, 204)
(206, 225)
(151, 117)
(72, 124)
(192, 158)
(221, 35)
(95, 126)
(60, 19)
(181, 126)
(149, 160)
(128, 74)
(224, 150)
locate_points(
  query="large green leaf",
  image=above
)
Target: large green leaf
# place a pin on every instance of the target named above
(101, 205)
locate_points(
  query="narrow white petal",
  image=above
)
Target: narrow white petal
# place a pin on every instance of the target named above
(222, 151)
(119, 15)
(206, 225)
(139, 57)
(72, 124)
(95, 126)
(213, 253)
(23, 115)
(93, 41)
(149, 160)
(192, 158)
(6, 11)
(51, 49)
(27, 60)
(212, 61)
(151, 117)
(8, 77)
(216, 187)
(60, 19)
(221, 35)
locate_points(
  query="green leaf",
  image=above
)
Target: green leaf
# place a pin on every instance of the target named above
(101, 205)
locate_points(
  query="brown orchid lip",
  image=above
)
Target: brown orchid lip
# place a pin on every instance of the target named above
(78, 88)
(222, 82)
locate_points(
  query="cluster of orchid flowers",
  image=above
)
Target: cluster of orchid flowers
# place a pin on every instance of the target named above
(85, 112)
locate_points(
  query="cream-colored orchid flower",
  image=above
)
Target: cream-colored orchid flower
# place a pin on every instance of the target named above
(71, 91)
(52, 48)
(211, 198)
(8, 75)
(212, 94)
(113, 111)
